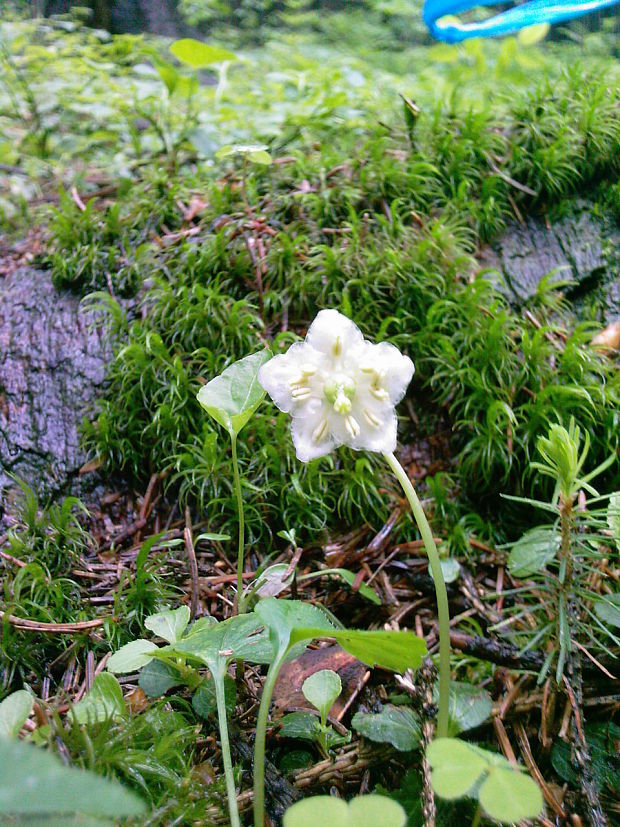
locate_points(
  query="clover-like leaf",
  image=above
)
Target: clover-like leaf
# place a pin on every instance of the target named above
(456, 767)
(104, 701)
(321, 689)
(233, 396)
(469, 706)
(14, 710)
(131, 656)
(363, 811)
(509, 796)
(170, 624)
(199, 55)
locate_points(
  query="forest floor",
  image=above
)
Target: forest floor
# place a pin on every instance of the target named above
(160, 221)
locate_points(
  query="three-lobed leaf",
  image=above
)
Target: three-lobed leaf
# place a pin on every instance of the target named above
(233, 396)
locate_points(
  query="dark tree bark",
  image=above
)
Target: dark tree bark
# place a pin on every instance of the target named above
(129, 16)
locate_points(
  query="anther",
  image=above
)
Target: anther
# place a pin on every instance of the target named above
(320, 431)
(352, 426)
(371, 418)
(380, 394)
(301, 393)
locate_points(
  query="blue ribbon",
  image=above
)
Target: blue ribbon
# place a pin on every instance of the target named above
(507, 22)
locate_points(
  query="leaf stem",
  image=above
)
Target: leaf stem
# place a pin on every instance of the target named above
(241, 548)
(440, 592)
(477, 817)
(231, 791)
(259, 742)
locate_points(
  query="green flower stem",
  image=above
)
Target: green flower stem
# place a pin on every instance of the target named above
(241, 549)
(440, 592)
(259, 742)
(231, 791)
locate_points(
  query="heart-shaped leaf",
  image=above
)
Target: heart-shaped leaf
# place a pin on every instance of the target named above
(509, 796)
(321, 689)
(170, 624)
(104, 701)
(272, 581)
(607, 607)
(131, 657)
(199, 55)
(233, 396)
(257, 154)
(363, 811)
(241, 637)
(396, 725)
(204, 700)
(14, 710)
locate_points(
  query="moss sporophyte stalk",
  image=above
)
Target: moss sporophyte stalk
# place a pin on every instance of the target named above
(342, 390)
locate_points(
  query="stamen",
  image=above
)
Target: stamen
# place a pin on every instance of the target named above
(320, 431)
(352, 426)
(380, 394)
(301, 393)
(337, 347)
(371, 418)
(307, 370)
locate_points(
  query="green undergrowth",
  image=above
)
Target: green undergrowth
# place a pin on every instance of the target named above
(385, 227)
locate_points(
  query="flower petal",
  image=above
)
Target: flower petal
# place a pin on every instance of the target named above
(332, 330)
(278, 373)
(312, 436)
(394, 367)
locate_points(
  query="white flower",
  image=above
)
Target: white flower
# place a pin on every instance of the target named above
(339, 388)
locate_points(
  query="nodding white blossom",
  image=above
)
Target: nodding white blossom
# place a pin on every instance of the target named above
(339, 388)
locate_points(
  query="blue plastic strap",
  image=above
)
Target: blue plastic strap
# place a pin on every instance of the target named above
(507, 22)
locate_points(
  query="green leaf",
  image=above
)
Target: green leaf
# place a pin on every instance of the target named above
(204, 700)
(321, 689)
(613, 517)
(14, 711)
(533, 551)
(396, 725)
(233, 396)
(301, 725)
(35, 782)
(607, 607)
(397, 651)
(240, 637)
(469, 706)
(260, 156)
(510, 796)
(131, 656)
(103, 702)
(169, 625)
(157, 678)
(285, 617)
(199, 55)
(456, 767)
(602, 740)
(349, 578)
(250, 151)
(530, 35)
(363, 811)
